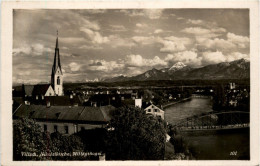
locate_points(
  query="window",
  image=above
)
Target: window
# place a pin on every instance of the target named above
(149, 110)
(66, 128)
(55, 128)
(45, 127)
(155, 110)
(58, 80)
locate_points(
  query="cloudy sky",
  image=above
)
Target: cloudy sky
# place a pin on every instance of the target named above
(95, 44)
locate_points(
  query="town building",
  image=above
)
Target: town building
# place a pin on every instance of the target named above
(154, 110)
(65, 119)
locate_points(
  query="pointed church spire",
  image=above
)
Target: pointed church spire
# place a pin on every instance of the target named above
(56, 62)
(57, 44)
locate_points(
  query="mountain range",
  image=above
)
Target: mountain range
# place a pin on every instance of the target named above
(238, 69)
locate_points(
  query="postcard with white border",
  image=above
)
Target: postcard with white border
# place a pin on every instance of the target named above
(130, 83)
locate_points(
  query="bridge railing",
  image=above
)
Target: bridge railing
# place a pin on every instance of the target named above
(215, 119)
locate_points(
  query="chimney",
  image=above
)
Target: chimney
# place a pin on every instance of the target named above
(138, 103)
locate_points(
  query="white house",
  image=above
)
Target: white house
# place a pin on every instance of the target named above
(154, 110)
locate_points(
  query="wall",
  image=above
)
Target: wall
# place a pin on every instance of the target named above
(50, 92)
(58, 88)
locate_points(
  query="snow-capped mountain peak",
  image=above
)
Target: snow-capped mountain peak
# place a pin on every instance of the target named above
(177, 66)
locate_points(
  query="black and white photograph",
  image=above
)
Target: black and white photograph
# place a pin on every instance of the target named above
(131, 84)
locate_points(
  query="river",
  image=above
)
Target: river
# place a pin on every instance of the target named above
(209, 145)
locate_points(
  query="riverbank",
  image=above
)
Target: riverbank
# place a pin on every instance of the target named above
(174, 102)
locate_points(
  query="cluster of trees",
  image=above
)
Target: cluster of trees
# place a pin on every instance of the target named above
(28, 139)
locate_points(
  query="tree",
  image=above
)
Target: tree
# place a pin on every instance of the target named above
(219, 97)
(27, 139)
(134, 135)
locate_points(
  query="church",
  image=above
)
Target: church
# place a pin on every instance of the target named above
(55, 88)
(48, 94)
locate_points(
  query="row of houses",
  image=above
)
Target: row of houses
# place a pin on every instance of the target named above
(65, 119)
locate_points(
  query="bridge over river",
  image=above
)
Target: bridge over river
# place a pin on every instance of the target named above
(215, 121)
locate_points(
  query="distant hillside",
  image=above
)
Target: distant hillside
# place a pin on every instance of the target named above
(239, 69)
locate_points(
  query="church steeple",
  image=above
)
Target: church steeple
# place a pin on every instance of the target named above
(56, 75)
(56, 63)
(57, 45)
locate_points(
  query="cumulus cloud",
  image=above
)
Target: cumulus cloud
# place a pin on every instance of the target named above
(213, 57)
(187, 57)
(203, 23)
(69, 40)
(89, 47)
(107, 66)
(232, 42)
(118, 28)
(95, 36)
(193, 59)
(145, 39)
(217, 57)
(33, 50)
(204, 32)
(95, 63)
(240, 41)
(74, 66)
(171, 46)
(217, 44)
(150, 13)
(174, 44)
(180, 18)
(139, 25)
(158, 31)
(196, 22)
(134, 60)
(117, 41)
(236, 55)
(138, 60)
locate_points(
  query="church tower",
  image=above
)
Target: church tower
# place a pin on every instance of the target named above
(56, 75)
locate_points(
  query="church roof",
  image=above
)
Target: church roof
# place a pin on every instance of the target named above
(40, 89)
(62, 100)
(28, 89)
(79, 114)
